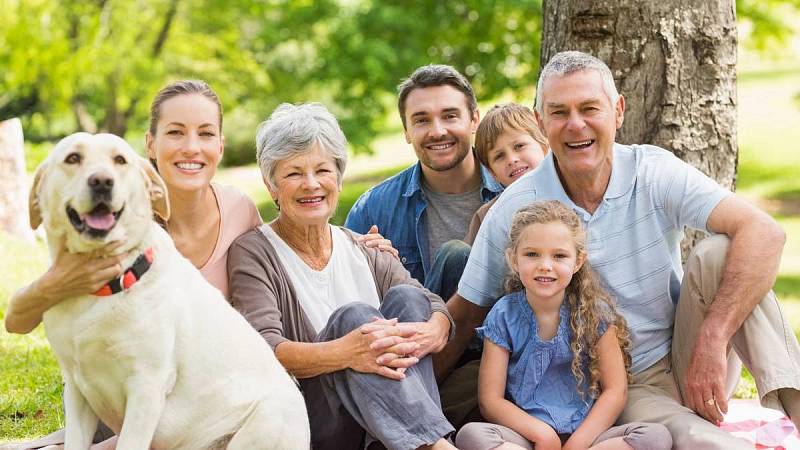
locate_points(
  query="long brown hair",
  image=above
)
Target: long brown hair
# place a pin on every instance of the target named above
(589, 304)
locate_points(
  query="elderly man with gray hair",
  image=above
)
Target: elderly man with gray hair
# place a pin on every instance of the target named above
(347, 320)
(634, 201)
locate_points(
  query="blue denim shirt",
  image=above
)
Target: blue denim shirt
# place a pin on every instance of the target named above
(539, 379)
(397, 207)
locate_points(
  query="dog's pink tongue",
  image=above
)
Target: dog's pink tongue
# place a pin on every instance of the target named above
(100, 221)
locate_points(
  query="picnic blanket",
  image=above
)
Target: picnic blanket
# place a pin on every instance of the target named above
(765, 428)
(747, 419)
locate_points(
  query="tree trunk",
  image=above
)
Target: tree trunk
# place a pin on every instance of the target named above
(13, 181)
(674, 61)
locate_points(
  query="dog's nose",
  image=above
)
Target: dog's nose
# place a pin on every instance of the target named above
(101, 182)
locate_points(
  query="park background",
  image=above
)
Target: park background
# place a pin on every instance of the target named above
(94, 65)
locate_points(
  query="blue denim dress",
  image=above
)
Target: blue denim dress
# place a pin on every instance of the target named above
(539, 379)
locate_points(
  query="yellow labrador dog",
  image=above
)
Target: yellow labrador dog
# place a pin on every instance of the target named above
(158, 355)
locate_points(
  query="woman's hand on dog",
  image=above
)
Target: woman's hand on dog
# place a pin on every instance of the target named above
(76, 274)
(70, 275)
(431, 336)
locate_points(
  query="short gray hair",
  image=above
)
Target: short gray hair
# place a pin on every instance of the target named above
(293, 130)
(565, 63)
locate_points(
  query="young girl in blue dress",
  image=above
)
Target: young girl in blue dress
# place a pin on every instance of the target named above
(555, 366)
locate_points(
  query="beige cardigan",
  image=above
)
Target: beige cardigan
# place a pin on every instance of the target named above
(260, 288)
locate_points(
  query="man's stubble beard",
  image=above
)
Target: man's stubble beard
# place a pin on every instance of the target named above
(463, 150)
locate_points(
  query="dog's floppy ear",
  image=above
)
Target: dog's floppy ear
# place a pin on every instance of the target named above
(155, 188)
(34, 210)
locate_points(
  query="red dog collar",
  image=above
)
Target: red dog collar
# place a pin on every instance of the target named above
(129, 277)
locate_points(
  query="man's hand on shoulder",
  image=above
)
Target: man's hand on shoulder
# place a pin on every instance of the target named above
(373, 239)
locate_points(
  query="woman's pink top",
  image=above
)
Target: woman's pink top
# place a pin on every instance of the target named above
(237, 214)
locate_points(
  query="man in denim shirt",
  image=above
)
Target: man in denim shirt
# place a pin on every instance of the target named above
(426, 209)
(423, 209)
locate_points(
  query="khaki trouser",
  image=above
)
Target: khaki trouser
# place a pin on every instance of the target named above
(459, 394)
(765, 343)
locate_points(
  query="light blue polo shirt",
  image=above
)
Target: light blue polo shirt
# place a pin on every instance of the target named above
(633, 238)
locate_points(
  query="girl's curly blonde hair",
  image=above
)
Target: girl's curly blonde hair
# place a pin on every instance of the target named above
(589, 304)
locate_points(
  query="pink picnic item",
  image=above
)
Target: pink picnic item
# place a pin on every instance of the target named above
(765, 428)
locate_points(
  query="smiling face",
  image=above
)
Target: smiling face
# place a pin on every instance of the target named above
(306, 187)
(580, 123)
(514, 154)
(188, 142)
(545, 258)
(439, 126)
(93, 189)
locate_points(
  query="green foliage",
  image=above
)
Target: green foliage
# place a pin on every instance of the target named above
(769, 21)
(375, 44)
(240, 130)
(766, 168)
(75, 65)
(35, 153)
(787, 285)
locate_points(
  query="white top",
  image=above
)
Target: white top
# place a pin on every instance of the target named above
(347, 277)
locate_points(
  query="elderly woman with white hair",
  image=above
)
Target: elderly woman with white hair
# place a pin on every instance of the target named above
(348, 321)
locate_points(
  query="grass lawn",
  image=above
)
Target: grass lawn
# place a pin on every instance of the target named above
(30, 381)
(30, 387)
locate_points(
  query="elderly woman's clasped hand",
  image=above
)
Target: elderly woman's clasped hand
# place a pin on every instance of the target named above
(428, 337)
(382, 347)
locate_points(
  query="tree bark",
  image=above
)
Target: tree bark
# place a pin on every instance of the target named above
(674, 61)
(13, 181)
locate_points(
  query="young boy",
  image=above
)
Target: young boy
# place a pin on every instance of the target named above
(508, 142)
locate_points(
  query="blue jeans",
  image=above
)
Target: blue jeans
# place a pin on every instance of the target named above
(345, 405)
(460, 388)
(448, 265)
